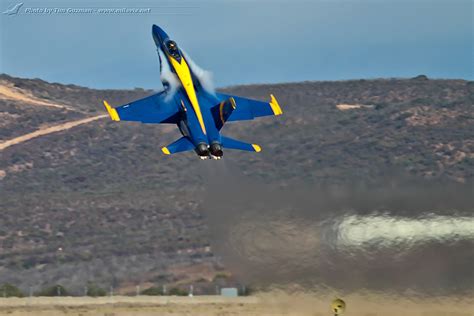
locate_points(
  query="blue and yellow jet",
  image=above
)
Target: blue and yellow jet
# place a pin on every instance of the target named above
(198, 112)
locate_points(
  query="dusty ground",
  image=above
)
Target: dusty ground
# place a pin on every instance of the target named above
(262, 304)
(12, 93)
(48, 130)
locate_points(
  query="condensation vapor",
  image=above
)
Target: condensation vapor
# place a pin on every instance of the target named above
(204, 76)
(413, 236)
(167, 76)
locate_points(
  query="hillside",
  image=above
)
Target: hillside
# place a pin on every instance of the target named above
(97, 201)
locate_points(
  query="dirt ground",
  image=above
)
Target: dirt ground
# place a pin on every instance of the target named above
(274, 303)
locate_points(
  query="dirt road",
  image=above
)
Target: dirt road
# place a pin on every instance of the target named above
(277, 304)
(48, 130)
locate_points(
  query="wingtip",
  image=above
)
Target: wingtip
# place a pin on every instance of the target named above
(112, 112)
(275, 106)
(165, 150)
(257, 148)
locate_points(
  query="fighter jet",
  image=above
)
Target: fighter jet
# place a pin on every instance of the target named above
(198, 111)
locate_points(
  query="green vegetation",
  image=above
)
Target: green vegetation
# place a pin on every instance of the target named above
(246, 290)
(95, 291)
(8, 290)
(177, 291)
(153, 291)
(55, 290)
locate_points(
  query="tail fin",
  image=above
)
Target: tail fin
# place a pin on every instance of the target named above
(222, 111)
(230, 143)
(182, 144)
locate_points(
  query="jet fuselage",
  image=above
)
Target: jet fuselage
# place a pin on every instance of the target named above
(188, 102)
(197, 123)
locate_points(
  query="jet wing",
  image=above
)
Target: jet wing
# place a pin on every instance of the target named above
(248, 109)
(155, 109)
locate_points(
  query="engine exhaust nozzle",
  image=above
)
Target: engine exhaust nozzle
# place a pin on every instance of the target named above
(202, 150)
(216, 149)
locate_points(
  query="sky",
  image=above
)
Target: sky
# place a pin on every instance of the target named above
(239, 41)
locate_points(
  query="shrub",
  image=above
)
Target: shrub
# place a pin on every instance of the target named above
(95, 291)
(153, 291)
(178, 292)
(8, 290)
(55, 290)
(247, 290)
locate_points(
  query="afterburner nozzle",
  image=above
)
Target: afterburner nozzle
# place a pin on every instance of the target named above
(216, 149)
(202, 150)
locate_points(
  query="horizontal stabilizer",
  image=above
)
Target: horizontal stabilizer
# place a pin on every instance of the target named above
(182, 144)
(231, 143)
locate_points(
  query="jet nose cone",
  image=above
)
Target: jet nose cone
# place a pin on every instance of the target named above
(155, 28)
(158, 33)
(159, 36)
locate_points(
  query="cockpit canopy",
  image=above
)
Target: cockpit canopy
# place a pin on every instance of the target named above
(172, 49)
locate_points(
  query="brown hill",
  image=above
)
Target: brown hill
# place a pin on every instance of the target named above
(98, 201)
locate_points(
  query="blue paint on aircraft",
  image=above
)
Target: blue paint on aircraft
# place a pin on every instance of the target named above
(199, 114)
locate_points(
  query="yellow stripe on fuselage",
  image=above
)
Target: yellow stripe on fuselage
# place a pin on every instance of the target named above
(184, 75)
